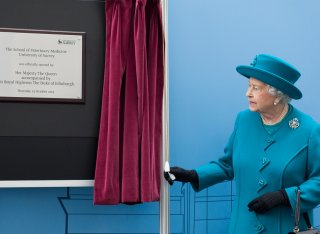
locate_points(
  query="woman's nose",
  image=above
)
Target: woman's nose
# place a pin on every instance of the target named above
(248, 92)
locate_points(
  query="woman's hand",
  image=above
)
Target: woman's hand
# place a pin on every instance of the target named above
(182, 175)
(269, 200)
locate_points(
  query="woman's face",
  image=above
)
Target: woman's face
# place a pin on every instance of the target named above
(260, 100)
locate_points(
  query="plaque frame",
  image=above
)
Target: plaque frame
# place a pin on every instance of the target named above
(61, 99)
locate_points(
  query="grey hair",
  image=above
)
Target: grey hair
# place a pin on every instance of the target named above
(275, 92)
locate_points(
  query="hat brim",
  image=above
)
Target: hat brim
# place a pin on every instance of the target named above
(271, 79)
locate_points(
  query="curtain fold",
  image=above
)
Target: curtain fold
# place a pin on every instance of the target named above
(129, 146)
(156, 86)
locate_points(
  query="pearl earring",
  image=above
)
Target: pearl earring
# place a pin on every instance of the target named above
(275, 103)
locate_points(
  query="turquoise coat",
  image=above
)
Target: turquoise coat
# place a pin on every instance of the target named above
(261, 163)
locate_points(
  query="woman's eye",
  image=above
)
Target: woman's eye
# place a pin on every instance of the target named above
(254, 87)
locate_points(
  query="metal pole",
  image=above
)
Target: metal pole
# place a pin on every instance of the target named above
(164, 193)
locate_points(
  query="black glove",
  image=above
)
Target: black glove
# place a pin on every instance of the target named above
(269, 200)
(182, 175)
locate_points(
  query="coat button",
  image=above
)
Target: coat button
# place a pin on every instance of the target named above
(259, 227)
(264, 160)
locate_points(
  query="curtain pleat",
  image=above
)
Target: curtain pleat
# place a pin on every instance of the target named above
(156, 85)
(129, 146)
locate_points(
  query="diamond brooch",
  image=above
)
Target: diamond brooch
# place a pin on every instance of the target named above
(294, 123)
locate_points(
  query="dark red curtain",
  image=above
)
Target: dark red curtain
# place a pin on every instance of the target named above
(129, 147)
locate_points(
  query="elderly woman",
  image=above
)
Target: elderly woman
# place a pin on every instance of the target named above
(274, 150)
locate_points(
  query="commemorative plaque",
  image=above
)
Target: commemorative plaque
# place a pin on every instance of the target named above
(44, 66)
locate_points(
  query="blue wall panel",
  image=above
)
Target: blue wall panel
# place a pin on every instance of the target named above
(207, 40)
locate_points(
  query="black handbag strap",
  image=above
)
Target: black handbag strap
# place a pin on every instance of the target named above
(306, 218)
(297, 214)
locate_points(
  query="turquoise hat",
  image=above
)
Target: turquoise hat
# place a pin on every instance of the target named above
(275, 72)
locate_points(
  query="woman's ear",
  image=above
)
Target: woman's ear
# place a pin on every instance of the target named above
(276, 100)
